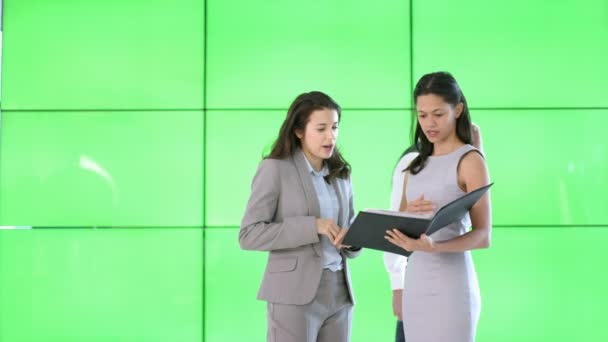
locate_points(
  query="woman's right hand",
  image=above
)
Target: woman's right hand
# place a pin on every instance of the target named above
(420, 206)
(328, 228)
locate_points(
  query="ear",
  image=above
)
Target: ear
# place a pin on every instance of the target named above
(299, 133)
(459, 108)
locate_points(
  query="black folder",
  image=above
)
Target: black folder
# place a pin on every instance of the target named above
(370, 226)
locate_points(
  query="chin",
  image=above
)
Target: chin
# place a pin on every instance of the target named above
(324, 155)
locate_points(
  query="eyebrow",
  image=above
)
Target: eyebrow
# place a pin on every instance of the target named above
(433, 111)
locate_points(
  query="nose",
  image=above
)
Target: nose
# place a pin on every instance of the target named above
(333, 134)
(431, 122)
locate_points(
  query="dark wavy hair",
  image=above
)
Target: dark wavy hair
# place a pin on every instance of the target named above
(298, 116)
(444, 85)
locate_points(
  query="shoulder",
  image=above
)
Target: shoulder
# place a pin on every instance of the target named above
(472, 163)
(404, 162)
(268, 164)
(274, 164)
(408, 158)
(271, 168)
(472, 156)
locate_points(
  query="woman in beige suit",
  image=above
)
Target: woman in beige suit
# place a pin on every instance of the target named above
(300, 206)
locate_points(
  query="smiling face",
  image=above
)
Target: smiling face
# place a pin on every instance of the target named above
(318, 140)
(437, 118)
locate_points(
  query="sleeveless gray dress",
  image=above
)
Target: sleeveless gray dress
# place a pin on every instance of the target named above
(441, 300)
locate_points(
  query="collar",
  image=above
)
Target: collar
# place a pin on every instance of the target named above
(324, 171)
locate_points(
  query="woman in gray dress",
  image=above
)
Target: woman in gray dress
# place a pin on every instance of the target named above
(441, 300)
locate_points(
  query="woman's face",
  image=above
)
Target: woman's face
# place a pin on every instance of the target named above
(436, 117)
(320, 135)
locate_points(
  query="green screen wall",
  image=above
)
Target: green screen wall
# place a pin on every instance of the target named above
(130, 132)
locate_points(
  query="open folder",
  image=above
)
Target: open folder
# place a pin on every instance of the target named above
(370, 226)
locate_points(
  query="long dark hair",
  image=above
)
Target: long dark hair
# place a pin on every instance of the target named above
(444, 85)
(298, 116)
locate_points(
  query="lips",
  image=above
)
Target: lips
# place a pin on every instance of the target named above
(432, 133)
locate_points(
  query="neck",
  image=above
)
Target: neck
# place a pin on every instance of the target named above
(451, 143)
(316, 163)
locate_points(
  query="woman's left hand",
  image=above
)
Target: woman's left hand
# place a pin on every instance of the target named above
(424, 243)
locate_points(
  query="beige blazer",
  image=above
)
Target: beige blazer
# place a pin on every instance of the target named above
(280, 218)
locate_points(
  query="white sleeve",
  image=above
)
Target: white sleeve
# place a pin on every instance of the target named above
(394, 263)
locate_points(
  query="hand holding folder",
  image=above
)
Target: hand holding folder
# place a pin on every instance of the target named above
(370, 226)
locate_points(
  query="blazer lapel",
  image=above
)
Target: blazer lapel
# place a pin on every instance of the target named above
(309, 191)
(341, 211)
(341, 204)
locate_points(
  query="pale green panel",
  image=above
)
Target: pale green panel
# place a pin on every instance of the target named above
(371, 141)
(261, 54)
(543, 284)
(122, 285)
(232, 280)
(110, 54)
(549, 166)
(542, 280)
(101, 169)
(373, 318)
(521, 53)
(235, 144)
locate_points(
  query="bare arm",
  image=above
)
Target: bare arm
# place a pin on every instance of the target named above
(472, 174)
